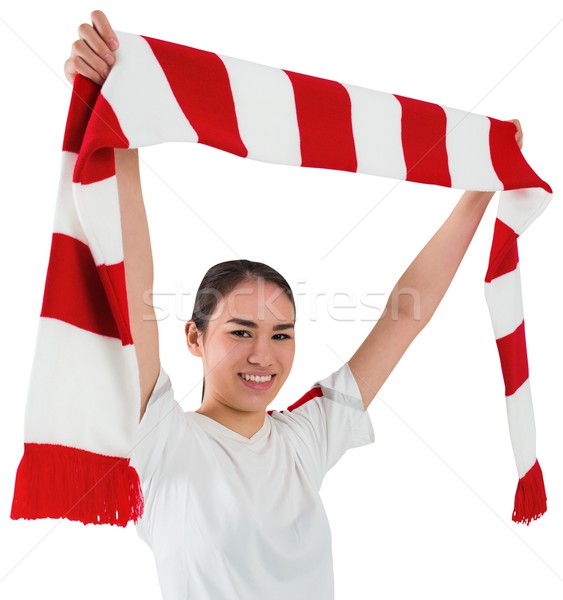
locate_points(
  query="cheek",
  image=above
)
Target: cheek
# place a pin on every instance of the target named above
(232, 353)
(224, 352)
(287, 354)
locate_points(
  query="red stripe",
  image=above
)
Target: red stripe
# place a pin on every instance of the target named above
(423, 135)
(113, 279)
(314, 392)
(507, 159)
(55, 481)
(84, 95)
(504, 251)
(96, 159)
(74, 292)
(200, 83)
(324, 117)
(513, 359)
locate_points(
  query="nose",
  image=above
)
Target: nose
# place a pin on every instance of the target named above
(261, 352)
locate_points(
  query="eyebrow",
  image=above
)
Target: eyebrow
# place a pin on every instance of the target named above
(246, 323)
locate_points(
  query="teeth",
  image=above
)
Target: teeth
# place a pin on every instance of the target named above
(257, 379)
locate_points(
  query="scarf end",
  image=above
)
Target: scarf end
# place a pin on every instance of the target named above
(530, 501)
(54, 481)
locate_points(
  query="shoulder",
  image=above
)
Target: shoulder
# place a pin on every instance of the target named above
(339, 385)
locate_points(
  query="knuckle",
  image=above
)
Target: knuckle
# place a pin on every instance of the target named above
(100, 48)
(103, 68)
(99, 63)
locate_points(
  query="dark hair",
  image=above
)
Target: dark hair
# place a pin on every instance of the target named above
(221, 279)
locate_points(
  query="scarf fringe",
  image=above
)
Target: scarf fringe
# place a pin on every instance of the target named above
(530, 501)
(54, 481)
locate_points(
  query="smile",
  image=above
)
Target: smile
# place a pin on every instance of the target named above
(257, 385)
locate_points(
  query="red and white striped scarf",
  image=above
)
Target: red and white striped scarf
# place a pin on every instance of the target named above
(84, 397)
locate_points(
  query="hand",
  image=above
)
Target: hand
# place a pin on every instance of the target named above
(519, 134)
(92, 55)
(486, 196)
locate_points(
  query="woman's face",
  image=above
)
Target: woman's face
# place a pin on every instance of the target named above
(251, 331)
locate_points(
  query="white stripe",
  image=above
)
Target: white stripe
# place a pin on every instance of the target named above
(376, 124)
(468, 148)
(519, 208)
(97, 205)
(265, 108)
(522, 427)
(141, 97)
(504, 300)
(93, 401)
(341, 386)
(66, 220)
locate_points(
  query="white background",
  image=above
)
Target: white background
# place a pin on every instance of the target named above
(425, 510)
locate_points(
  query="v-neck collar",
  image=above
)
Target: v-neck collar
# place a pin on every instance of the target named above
(214, 426)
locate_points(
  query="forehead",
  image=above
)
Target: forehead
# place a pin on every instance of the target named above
(256, 300)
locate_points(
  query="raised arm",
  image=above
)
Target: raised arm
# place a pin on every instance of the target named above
(417, 294)
(92, 56)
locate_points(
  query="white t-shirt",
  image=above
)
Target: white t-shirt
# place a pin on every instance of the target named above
(233, 518)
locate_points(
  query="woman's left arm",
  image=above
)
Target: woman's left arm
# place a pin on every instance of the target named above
(418, 292)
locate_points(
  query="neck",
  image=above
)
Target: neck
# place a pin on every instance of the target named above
(246, 423)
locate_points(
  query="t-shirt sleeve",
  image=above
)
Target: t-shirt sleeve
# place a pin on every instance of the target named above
(160, 426)
(330, 419)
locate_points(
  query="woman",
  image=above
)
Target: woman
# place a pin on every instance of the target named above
(232, 504)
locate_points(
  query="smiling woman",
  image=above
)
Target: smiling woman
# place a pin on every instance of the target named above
(224, 295)
(252, 475)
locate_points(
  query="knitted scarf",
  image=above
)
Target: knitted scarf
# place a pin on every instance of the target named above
(83, 398)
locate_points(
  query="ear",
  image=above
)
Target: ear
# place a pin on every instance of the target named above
(193, 338)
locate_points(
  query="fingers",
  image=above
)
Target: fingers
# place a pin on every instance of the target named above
(519, 134)
(92, 55)
(77, 64)
(86, 61)
(98, 46)
(104, 29)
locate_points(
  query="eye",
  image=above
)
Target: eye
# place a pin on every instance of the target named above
(239, 331)
(242, 331)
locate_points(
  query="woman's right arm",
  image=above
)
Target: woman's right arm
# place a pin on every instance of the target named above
(92, 56)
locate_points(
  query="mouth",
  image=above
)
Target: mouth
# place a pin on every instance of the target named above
(255, 385)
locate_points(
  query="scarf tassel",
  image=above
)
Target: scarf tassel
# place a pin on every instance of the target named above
(530, 501)
(54, 481)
